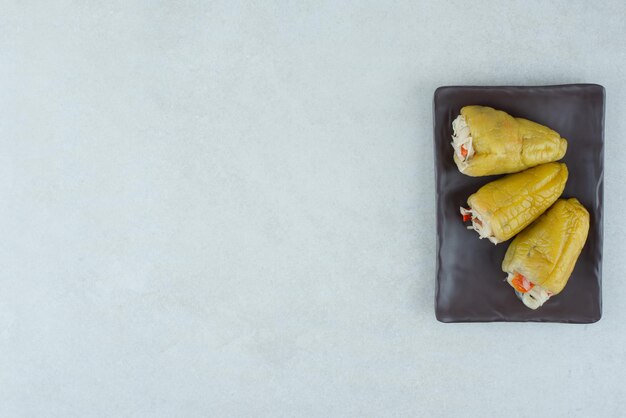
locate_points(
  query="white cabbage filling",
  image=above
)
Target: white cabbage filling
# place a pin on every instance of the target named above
(461, 137)
(534, 298)
(479, 225)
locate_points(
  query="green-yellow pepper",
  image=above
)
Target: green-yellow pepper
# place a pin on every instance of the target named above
(544, 254)
(489, 141)
(501, 209)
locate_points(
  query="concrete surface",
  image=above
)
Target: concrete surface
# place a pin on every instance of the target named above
(226, 209)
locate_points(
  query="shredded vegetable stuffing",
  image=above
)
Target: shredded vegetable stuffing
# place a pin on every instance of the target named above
(462, 141)
(483, 228)
(531, 294)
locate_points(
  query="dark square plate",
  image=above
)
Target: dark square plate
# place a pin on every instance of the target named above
(470, 282)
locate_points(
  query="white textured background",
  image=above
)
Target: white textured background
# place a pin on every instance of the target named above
(226, 209)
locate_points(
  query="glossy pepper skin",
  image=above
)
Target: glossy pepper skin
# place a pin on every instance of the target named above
(546, 251)
(513, 202)
(504, 144)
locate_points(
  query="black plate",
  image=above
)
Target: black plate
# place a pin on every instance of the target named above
(470, 282)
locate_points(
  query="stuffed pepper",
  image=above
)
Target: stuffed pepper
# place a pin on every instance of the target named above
(502, 208)
(487, 141)
(541, 258)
